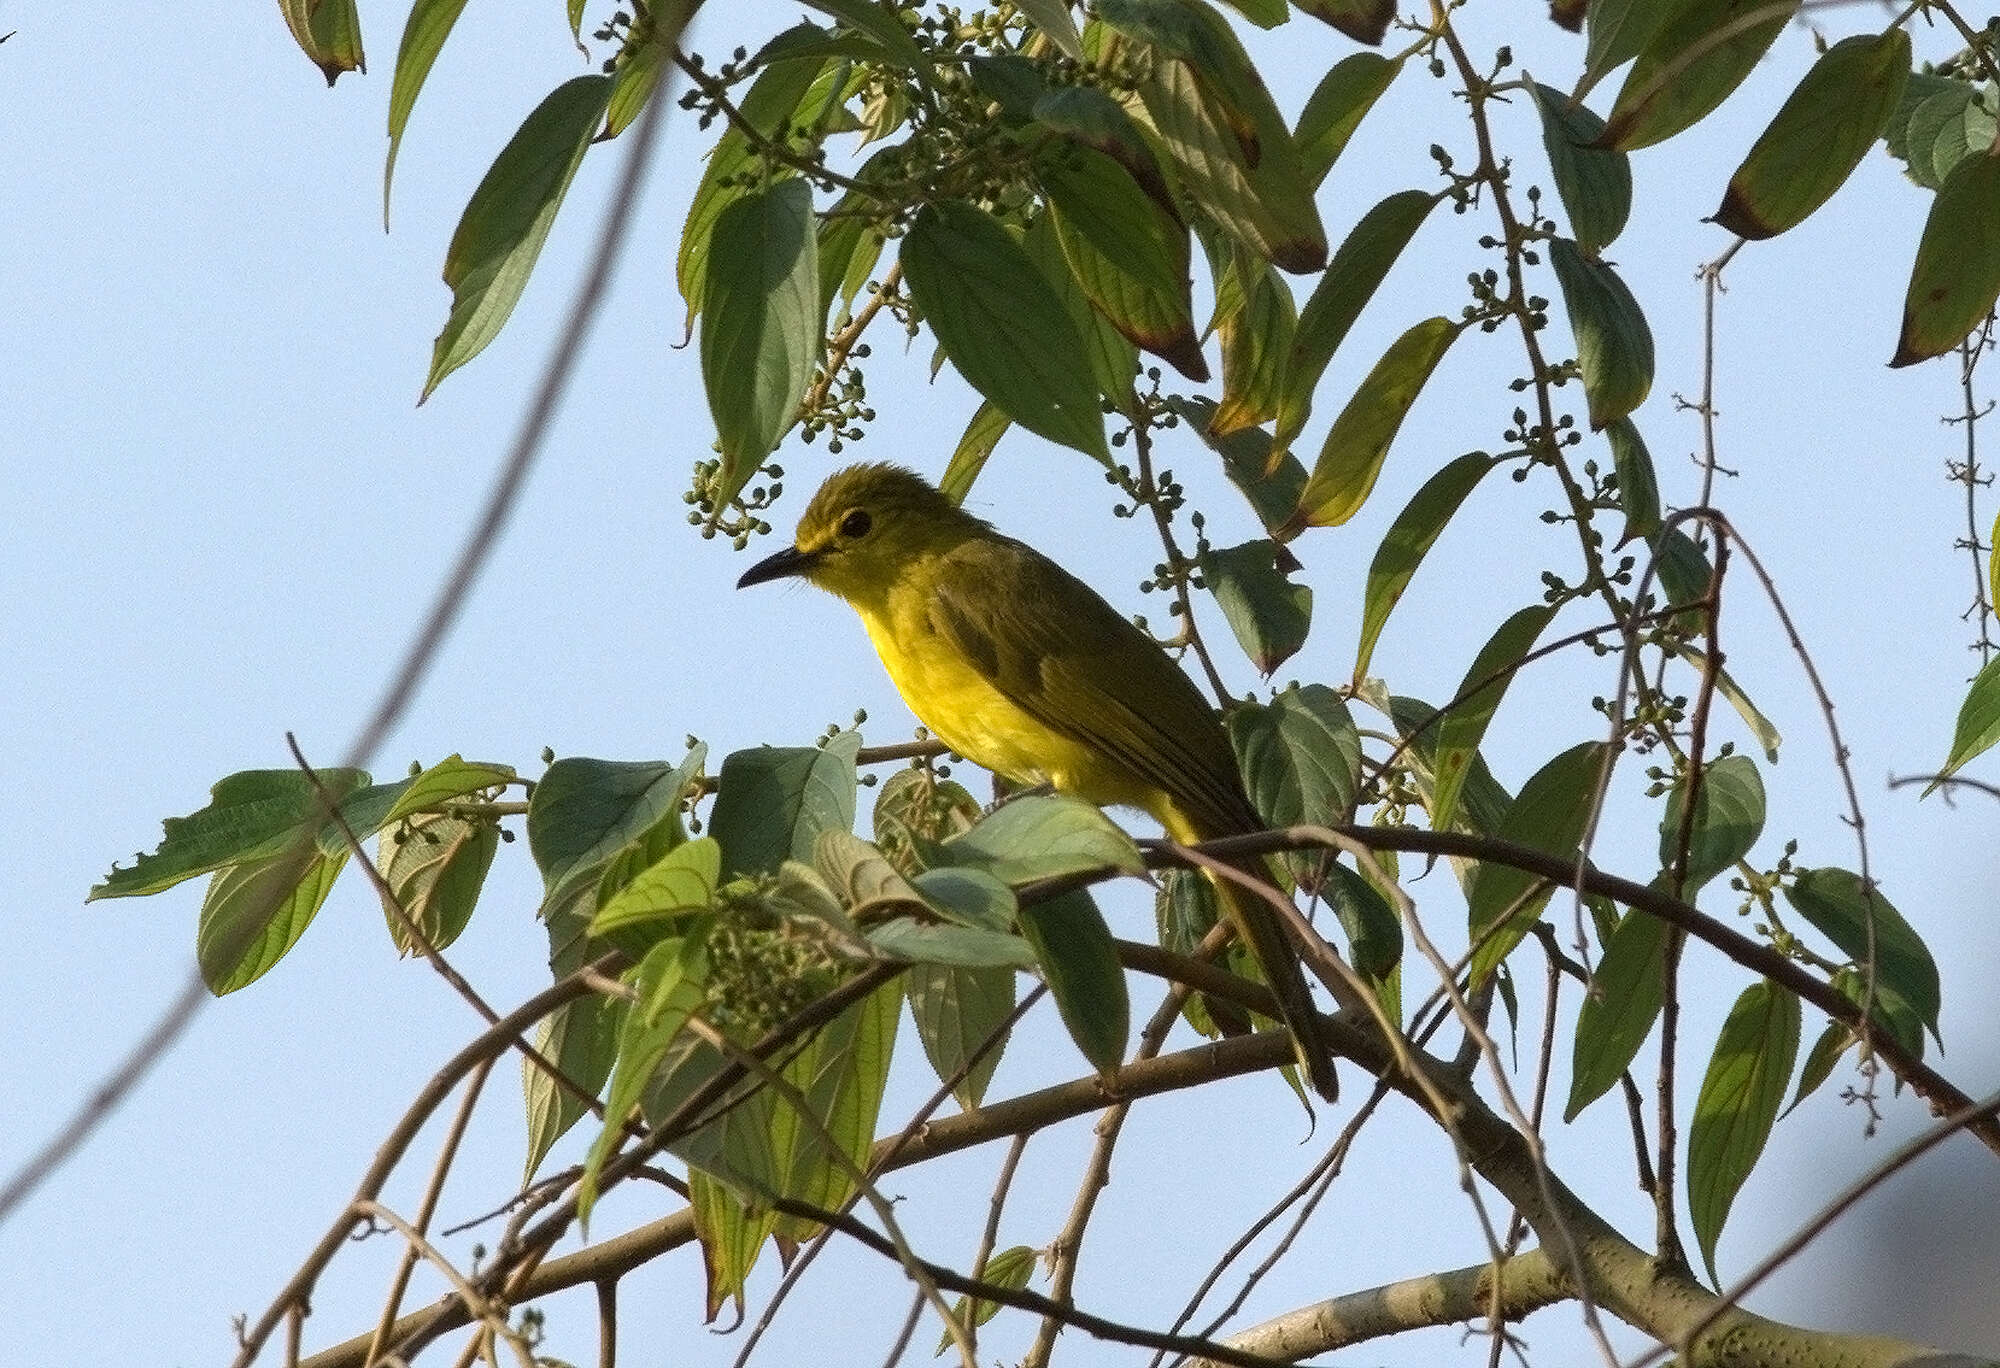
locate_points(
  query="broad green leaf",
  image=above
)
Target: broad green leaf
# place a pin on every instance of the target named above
(914, 810)
(584, 813)
(767, 107)
(1053, 18)
(661, 897)
(1344, 289)
(1041, 836)
(774, 802)
(1617, 31)
(1548, 814)
(1185, 910)
(1978, 722)
(1264, 14)
(950, 945)
(1728, 819)
(1946, 129)
(843, 1082)
(1234, 150)
(1270, 480)
(1085, 114)
(970, 897)
(1870, 931)
(1365, 21)
(1128, 254)
(256, 911)
(956, 1011)
(1737, 1105)
(251, 816)
(882, 23)
(434, 867)
(633, 83)
(1002, 325)
(1269, 614)
(1482, 802)
(328, 32)
(1594, 181)
(1638, 487)
(1700, 52)
(989, 424)
(1337, 106)
(1256, 340)
(1956, 275)
(732, 1234)
(672, 981)
(1300, 756)
(1618, 1015)
(1818, 136)
(1078, 961)
(369, 810)
(861, 876)
(1408, 540)
(1011, 81)
(1760, 726)
(1614, 347)
(581, 1040)
(807, 39)
(1113, 361)
(1889, 1011)
(1373, 931)
(1359, 440)
(501, 232)
(1464, 723)
(424, 32)
(1917, 91)
(1821, 1059)
(760, 324)
(1010, 1268)
(1683, 571)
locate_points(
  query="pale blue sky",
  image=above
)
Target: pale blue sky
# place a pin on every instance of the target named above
(226, 515)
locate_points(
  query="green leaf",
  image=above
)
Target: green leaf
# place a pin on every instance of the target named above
(635, 80)
(1270, 480)
(1825, 1053)
(1041, 836)
(1052, 17)
(1336, 108)
(424, 32)
(1737, 1105)
(1918, 90)
(1617, 31)
(1869, 930)
(1956, 275)
(1618, 1015)
(1078, 961)
(1818, 136)
(1374, 932)
(1219, 126)
(1344, 289)
(1978, 723)
(970, 897)
(251, 816)
(1264, 14)
(434, 867)
(882, 23)
(1408, 540)
(767, 107)
(1614, 347)
(1688, 67)
(584, 813)
(1594, 181)
(1482, 802)
(1548, 814)
(1300, 756)
(1728, 819)
(501, 232)
(1269, 614)
(775, 801)
(256, 911)
(671, 981)
(1010, 1268)
(1760, 726)
(1085, 114)
(1359, 440)
(1112, 360)
(581, 1040)
(328, 32)
(679, 885)
(843, 1081)
(1464, 723)
(1945, 130)
(989, 424)
(1256, 340)
(1638, 487)
(1365, 21)
(1129, 255)
(1001, 324)
(951, 945)
(955, 1011)
(760, 325)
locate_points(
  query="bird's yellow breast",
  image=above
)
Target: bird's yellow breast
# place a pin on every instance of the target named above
(950, 695)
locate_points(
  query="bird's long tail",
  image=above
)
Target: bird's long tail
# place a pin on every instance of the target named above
(1257, 926)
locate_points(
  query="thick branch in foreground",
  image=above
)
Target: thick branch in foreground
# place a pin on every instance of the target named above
(1626, 1281)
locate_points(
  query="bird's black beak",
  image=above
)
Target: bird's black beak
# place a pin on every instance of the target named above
(788, 562)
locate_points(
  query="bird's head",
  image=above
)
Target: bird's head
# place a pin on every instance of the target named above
(864, 527)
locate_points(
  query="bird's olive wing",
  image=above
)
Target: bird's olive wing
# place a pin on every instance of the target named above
(1067, 658)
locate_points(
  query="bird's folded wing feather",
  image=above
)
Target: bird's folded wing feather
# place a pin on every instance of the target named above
(1067, 658)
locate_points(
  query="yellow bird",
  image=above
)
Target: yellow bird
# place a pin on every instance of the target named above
(1022, 668)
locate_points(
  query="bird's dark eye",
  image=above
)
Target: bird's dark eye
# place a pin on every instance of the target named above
(856, 524)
